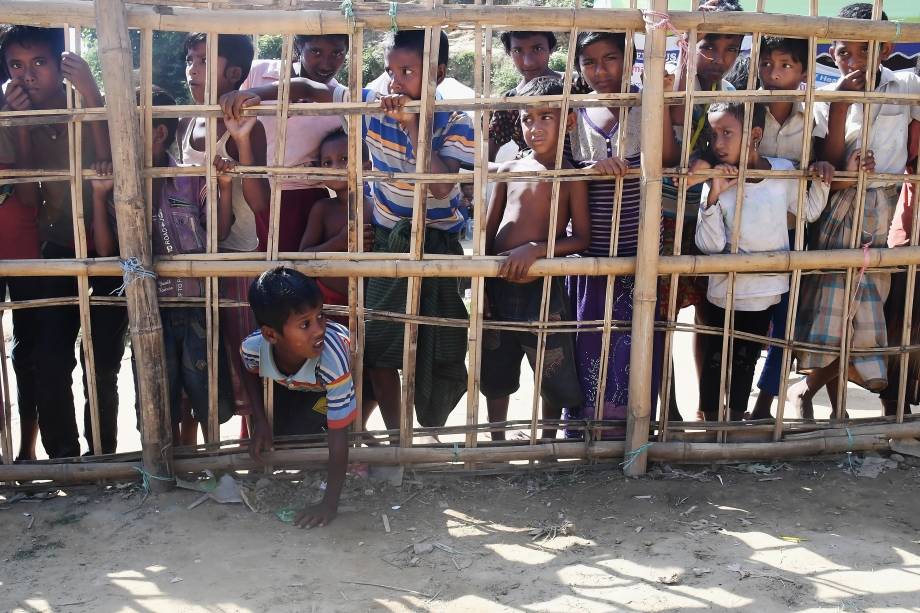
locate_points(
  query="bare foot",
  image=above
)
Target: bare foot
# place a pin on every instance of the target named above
(798, 396)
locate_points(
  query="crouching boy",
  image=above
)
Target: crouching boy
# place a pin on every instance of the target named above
(298, 349)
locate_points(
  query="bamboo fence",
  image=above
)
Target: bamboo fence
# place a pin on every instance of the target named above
(647, 438)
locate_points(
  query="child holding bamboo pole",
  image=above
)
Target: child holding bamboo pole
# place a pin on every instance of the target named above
(839, 132)
(762, 228)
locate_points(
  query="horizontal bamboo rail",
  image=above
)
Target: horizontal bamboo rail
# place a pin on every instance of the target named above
(868, 438)
(273, 21)
(344, 264)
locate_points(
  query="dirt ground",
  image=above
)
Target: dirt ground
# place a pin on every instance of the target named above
(803, 536)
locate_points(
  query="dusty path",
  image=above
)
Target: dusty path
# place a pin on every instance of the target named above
(632, 545)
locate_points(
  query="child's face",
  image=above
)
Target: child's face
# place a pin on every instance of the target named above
(541, 129)
(779, 70)
(405, 69)
(322, 57)
(601, 64)
(530, 55)
(303, 336)
(334, 154)
(715, 55)
(196, 69)
(726, 137)
(852, 56)
(37, 70)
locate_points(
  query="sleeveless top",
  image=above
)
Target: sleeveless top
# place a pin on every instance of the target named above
(243, 236)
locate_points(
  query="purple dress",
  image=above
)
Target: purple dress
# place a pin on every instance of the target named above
(588, 293)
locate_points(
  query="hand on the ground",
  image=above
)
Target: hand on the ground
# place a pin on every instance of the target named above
(519, 260)
(822, 170)
(16, 97)
(260, 439)
(614, 166)
(318, 515)
(75, 69)
(854, 159)
(853, 82)
(233, 103)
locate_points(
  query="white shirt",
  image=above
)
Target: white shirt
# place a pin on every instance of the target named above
(763, 228)
(888, 123)
(784, 140)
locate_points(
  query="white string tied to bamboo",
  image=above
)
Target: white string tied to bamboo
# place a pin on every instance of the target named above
(132, 270)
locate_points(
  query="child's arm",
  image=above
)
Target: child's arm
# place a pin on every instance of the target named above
(18, 100)
(312, 240)
(517, 265)
(328, 508)
(224, 196)
(301, 90)
(699, 164)
(75, 69)
(260, 437)
(710, 228)
(249, 137)
(833, 147)
(852, 165)
(494, 213)
(103, 232)
(818, 190)
(392, 105)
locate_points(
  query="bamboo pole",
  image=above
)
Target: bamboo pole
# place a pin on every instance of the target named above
(417, 237)
(6, 408)
(874, 438)
(645, 289)
(239, 21)
(134, 239)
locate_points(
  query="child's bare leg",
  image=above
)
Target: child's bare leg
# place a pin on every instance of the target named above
(188, 426)
(388, 391)
(801, 394)
(763, 406)
(28, 436)
(497, 409)
(550, 411)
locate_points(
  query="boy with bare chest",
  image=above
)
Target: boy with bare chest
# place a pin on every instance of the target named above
(517, 226)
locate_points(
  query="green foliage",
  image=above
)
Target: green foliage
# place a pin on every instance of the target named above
(372, 65)
(168, 60)
(270, 46)
(462, 66)
(558, 59)
(504, 75)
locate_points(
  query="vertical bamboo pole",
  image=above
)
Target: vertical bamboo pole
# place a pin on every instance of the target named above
(906, 329)
(796, 280)
(862, 184)
(356, 219)
(134, 240)
(645, 294)
(6, 419)
(482, 74)
(75, 143)
(623, 113)
(212, 293)
(417, 238)
(686, 150)
(728, 336)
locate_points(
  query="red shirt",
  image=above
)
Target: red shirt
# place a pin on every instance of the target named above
(18, 226)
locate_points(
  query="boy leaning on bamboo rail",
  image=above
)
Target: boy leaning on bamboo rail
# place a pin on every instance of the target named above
(597, 216)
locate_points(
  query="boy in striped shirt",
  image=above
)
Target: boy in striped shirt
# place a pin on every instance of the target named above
(299, 350)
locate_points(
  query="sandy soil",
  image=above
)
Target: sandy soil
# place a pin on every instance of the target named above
(809, 536)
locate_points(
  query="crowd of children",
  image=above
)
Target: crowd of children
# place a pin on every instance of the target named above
(295, 346)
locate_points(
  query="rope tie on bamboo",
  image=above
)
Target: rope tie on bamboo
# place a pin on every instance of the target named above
(631, 456)
(392, 13)
(132, 270)
(146, 477)
(348, 10)
(655, 20)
